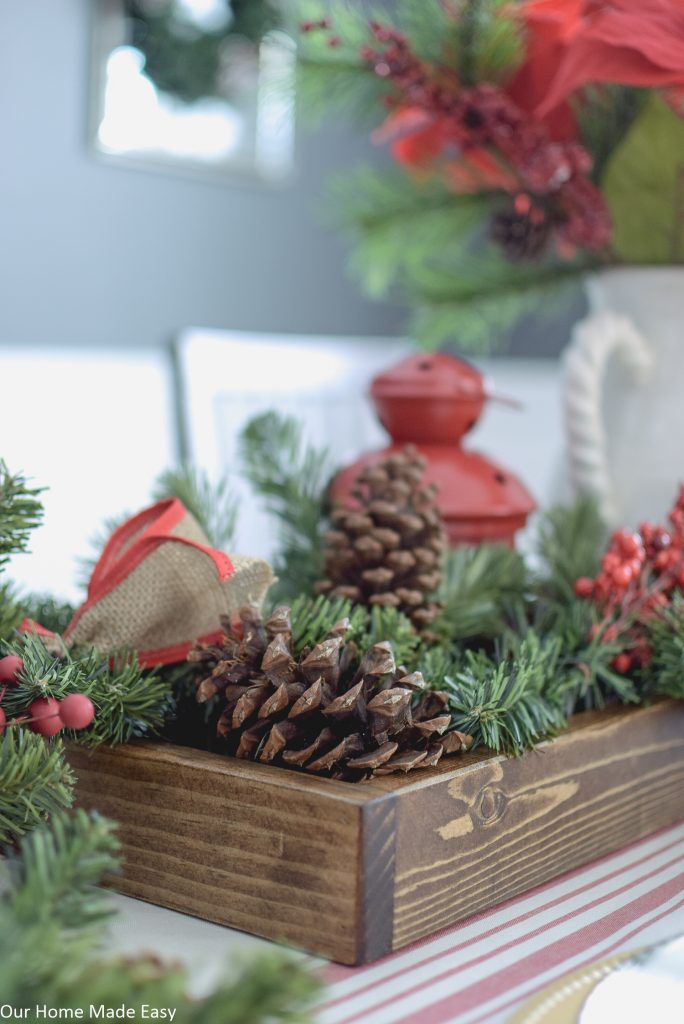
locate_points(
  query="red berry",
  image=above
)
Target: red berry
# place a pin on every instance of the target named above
(45, 711)
(610, 561)
(622, 663)
(10, 667)
(3, 719)
(610, 635)
(622, 576)
(626, 542)
(77, 711)
(584, 586)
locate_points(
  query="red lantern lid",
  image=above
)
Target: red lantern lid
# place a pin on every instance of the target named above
(432, 376)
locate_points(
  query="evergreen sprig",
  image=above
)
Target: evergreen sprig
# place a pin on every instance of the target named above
(570, 541)
(484, 592)
(11, 612)
(291, 478)
(505, 705)
(35, 782)
(489, 40)
(50, 612)
(664, 677)
(54, 879)
(313, 618)
(20, 513)
(129, 701)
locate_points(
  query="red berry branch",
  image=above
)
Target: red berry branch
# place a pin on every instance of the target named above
(46, 716)
(640, 574)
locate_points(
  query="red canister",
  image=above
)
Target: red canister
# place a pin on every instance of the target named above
(433, 401)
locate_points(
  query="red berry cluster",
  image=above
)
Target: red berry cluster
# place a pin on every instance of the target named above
(46, 715)
(640, 574)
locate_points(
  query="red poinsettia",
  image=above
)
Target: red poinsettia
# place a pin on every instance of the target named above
(548, 26)
(626, 42)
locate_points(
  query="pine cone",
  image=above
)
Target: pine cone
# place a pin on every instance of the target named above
(522, 230)
(331, 711)
(388, 550)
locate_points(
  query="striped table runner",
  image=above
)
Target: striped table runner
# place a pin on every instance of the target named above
(479, 971)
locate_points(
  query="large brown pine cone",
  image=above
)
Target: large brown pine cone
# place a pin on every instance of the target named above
(331, 710)
(388, 550)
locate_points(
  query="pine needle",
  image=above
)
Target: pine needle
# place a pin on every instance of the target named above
(665, 675)
(505, 705)
(484, 590)
(20, 513)
(291, 478)
(35, 781)
(570, 542)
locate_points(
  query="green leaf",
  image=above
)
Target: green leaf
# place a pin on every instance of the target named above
(644, 188)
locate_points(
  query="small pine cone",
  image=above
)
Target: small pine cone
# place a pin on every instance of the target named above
(329, 710)
(388, 550)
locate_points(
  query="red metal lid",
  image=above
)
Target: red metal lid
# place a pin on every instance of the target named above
(433, 376)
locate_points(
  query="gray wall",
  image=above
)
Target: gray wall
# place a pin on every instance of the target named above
(98, 254)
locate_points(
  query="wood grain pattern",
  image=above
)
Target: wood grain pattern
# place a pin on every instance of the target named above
(352, 871)
(502, 826)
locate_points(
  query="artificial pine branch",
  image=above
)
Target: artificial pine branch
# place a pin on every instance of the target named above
(291, 477)
(214, 506)
(128, 701)
(489, 40)
(54, 877)
(49, 611)
(483, 592)
(313, 618)
(506, 705)
(335, 76)
(20, 512)
(11, 612)
(664, 677)
(570, 542)
(35, 782)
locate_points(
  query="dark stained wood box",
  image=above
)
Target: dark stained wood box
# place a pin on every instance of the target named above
(354, 871)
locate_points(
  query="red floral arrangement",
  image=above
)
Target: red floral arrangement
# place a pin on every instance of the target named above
(525, 103)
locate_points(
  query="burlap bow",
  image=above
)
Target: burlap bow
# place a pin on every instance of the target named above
(159, 586)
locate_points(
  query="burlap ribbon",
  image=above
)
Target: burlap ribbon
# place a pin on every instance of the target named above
(159, 586)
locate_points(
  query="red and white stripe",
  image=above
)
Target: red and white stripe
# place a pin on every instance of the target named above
(479, 971)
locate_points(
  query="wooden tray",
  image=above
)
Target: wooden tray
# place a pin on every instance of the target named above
(354, 871)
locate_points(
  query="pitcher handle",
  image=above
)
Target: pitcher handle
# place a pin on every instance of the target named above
(594, 341)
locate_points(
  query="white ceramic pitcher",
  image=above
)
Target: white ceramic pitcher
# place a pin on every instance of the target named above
(623, 393)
